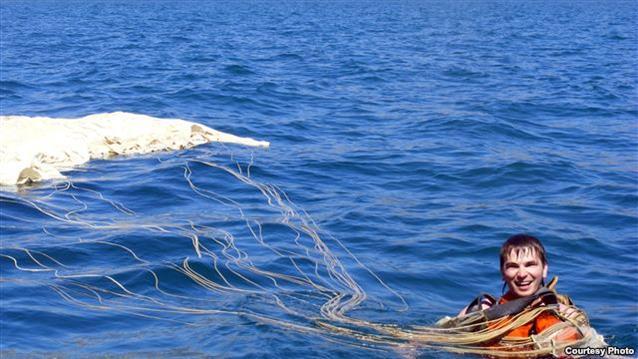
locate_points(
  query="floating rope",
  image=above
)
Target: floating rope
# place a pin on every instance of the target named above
(295, 278)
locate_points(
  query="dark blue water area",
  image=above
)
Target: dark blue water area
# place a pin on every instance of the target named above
(418, 134)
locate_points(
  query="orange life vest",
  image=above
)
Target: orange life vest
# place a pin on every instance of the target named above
(544, 321)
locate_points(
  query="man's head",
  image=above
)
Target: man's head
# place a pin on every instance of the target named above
(523, 264)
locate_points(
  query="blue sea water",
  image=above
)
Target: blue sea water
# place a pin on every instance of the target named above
(419, 134)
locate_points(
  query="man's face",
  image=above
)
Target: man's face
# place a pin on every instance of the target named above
(523, 271)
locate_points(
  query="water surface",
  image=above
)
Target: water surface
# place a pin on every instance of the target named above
(418, 134)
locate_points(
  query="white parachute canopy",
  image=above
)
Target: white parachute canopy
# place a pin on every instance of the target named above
(39, 148)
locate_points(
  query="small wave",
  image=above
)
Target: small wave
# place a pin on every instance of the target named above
(238, 70)
(14, 85)
(205, 59)
(616, 36)
(287, 56)
(460, 73)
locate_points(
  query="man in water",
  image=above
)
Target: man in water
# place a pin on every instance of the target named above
(524, 270)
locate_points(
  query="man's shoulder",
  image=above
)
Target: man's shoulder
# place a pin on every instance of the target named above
(564, 299)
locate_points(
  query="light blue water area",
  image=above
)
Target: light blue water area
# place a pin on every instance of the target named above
(420, 134)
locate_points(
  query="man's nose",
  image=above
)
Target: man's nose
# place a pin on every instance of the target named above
(521, 273)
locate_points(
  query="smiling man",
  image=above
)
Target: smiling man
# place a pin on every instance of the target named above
(524, 269)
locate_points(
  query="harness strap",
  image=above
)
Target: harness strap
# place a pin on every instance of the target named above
(474, 317)
(516, 306)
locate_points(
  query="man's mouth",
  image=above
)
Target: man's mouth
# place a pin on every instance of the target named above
(524, 285)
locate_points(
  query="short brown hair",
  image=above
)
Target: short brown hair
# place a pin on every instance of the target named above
(520, 241)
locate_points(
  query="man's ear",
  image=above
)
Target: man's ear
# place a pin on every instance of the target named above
(545, 268)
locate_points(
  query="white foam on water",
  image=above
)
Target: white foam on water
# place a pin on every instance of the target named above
(40, 148)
